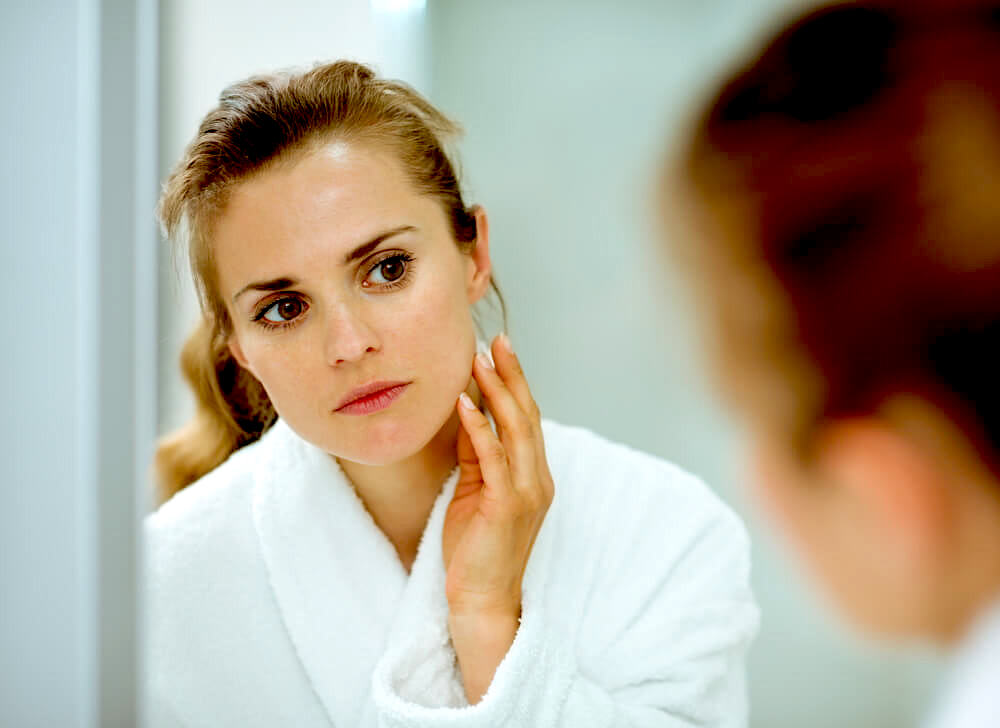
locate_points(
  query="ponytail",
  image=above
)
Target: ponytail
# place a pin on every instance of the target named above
(231, 410)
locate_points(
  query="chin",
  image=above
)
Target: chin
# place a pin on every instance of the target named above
(379, 456)
(394, 440)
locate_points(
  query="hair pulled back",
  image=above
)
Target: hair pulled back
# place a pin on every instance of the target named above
(256, 123)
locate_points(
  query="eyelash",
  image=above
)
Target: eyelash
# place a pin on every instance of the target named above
(406, 258)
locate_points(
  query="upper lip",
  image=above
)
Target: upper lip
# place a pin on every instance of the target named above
(366, 389)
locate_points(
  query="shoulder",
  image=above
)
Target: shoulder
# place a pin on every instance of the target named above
(627, 508)
(570, 447)
(201, 551)
(646, 574)
(210, 497)
(969, 691)
(208, 522)
(206, 588)
(597, 470)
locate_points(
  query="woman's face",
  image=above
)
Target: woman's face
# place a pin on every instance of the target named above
(337, 274)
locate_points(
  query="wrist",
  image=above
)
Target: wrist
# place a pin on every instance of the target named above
(497, 605)
(481, 642)
(482, 625)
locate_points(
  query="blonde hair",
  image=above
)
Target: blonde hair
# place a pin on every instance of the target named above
(258, 122)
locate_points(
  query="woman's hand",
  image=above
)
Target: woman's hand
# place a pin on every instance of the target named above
(503, 492)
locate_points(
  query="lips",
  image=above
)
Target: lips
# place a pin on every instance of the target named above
(367, 390)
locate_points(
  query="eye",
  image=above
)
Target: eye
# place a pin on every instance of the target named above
(284, 310)
(388, 271)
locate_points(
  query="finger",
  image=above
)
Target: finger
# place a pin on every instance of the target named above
(468, 461)
(489, 451)
(516, 433)
(470, 475)
(508, 366)
(525, 449)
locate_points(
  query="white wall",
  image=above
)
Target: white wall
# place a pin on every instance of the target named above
(567, 107)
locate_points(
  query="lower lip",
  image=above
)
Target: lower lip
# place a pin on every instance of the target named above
(373, 402)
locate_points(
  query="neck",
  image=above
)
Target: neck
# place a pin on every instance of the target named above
(974, 567)
(400, 496)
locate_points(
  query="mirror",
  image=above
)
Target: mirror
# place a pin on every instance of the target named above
(568, 109)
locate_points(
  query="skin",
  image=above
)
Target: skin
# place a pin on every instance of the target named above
(503, 492)
(344, 324)
(893, 516)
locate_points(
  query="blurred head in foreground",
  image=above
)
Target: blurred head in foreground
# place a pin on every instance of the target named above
(843, 196)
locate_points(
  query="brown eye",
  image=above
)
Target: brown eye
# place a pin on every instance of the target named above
(388, 271)
(286, 309)
(392, 269)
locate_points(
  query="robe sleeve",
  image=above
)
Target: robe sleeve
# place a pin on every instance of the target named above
(662, 645)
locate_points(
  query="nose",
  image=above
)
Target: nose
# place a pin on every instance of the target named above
(348, 336)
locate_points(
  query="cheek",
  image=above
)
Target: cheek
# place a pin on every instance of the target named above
(425, 331)
(440, 337)
(434, 312)
(279, 361)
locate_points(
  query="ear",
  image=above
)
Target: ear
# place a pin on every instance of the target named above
(479, 268)
(895, 486)
(237, 351)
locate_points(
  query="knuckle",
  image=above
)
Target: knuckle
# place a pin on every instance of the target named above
(533, 504)
(495, 451)
(522, 428)
(546, 490)
(532, 501)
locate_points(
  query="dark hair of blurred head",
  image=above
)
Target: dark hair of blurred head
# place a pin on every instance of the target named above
(848, 182)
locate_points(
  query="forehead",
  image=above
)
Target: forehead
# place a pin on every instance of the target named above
(322, 202)
(339, 182)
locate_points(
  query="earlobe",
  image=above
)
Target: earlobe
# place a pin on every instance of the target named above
(480, 268)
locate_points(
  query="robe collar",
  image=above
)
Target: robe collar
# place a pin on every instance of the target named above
(344, 596)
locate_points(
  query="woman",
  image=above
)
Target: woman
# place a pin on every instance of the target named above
(845, 184)
(360, 547)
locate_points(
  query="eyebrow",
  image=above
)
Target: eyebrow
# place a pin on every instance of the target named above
(359, 252)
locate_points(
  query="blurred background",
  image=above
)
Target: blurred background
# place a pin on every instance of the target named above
(569, 108)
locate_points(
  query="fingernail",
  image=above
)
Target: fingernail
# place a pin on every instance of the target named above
(505, 342)
(466, 401)
(484, 360)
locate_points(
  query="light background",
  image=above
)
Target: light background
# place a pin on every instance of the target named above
(77, 363)
(568, 108)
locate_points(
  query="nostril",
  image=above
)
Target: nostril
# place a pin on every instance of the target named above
(354, 355)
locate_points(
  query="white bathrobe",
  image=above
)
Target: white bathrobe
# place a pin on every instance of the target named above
(971, 696)
(275, 600)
